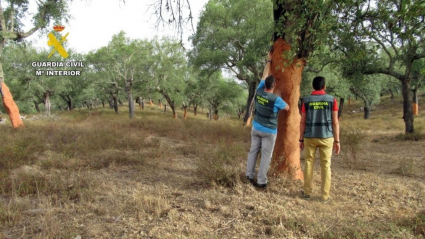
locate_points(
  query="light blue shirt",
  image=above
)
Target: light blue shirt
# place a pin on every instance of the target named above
(279, 104)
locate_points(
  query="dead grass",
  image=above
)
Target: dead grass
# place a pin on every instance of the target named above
(101, 175)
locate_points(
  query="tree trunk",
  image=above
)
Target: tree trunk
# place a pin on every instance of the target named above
(69, 103)
(407, 106)
(185, 112)
(103, 103)
(8, 103)
(252, 87)
(366, 110)
(36, 106)
(130, 102)
(415, 105)
(115, 104)
(47, 103)
(195, 107)
(210, 112)
(341, 105)
(165, 108)
(215, 114)
(392, 94)
(288, 76)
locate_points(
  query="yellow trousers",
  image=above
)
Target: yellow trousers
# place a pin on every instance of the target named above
(325, 151)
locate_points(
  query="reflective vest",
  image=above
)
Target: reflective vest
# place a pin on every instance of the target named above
(318, 109)
(264, 104)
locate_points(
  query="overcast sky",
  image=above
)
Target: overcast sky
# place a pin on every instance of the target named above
(94, 22)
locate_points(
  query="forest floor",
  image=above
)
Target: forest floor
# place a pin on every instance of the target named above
(95, 174)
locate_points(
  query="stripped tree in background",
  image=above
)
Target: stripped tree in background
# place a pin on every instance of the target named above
(12, 14)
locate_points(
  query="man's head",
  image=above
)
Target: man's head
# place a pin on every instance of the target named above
(269, 82)
(319, 83)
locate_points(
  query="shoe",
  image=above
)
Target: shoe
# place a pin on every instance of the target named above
(259, 185)
(325, 200)
(305, 196)
(250, 180)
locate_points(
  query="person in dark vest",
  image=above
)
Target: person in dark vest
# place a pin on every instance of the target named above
(319, 130)
(264, 127)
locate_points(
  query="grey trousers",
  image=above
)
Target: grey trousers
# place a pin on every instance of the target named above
(264, 142)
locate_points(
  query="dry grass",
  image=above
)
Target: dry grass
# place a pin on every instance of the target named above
(101, 175)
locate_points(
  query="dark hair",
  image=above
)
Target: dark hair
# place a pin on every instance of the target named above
(269, 82)
(319, 83)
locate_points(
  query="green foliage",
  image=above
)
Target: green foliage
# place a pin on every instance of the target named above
(234, 35)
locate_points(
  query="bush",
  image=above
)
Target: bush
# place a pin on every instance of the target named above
(352, 139)
(221, 165)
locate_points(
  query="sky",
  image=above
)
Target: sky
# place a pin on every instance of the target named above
(94, 22)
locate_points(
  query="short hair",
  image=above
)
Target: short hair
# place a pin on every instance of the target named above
(269, 82)
(319, 83)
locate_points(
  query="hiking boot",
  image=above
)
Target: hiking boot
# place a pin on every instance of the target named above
(325, 200)
(250, 180)
(305, 196)
(259, 185)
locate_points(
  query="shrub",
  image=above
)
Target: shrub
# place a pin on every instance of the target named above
(352, 139)
(221, 165)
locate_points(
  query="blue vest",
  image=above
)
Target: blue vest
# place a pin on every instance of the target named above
(264, 104)
(318, 109)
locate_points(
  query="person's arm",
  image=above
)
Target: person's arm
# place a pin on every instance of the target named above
(302, 130)
(266, 71)
(335, 126)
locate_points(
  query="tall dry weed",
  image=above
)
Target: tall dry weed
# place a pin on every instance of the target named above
(352, 140)
(221, 165)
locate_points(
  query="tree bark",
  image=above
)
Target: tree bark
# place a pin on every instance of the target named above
(392, 94)
(185, 112)
(366, 110)
(252, 87)
(215, 114)
(195, 107)
(407, 106)
(36, 106)
(47, 103)
(115, 103)
(415, 100)
(288, 74)
(130, 101)
(341, 105)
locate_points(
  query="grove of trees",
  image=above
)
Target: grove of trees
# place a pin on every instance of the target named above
(364, 48)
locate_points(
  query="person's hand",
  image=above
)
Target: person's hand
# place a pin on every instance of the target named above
(301, 145)
(337, 148)
(269, 56)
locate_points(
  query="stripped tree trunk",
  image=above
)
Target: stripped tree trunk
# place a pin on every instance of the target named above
(288, 76)
(415, 104)
(47, 102)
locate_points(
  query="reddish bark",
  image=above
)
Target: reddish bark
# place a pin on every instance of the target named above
(11, 107)
(288, 76)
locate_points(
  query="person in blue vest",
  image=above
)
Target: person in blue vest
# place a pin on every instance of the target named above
(319, 130)
(264, 127)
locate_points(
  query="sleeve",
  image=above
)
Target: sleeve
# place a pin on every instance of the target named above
(280, 103)
(335, 105)
(261, 85)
